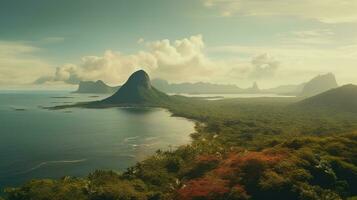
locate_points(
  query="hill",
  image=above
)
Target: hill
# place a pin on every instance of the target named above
(97, 87)
(343, 98)
(319, 84)
(137, 91)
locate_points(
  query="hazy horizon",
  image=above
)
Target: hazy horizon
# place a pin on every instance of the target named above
(53, 45)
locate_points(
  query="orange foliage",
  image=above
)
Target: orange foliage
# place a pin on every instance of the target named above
(232, 171)
(241, 159)
(236, 163)
(207, 159)
(208, 188)
(239, 192)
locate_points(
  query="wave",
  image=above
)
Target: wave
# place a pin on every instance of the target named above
(151, 138)
(52, 162)
(130, 138)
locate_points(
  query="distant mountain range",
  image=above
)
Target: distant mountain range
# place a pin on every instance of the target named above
(343, 98)
(195, 88)
(315, 86)
(97, 87)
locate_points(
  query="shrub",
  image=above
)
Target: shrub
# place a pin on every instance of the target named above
(204, 188)
(201, 165)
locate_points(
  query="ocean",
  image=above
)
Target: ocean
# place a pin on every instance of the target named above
(40, 143)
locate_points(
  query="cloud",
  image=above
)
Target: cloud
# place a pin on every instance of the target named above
(264, 66)
(327, 11)
(309, 37)
(18, 65)
(140, 40)
(259, 67)
(181, 60)
(111, 67)
(298, 63)
(189, 60)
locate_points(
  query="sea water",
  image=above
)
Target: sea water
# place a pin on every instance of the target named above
(41, 143)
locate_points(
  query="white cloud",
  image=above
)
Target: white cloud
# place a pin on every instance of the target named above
(264, 66)
(182, 60)
(188, 60)
(140, 40)
(298, 63)
(18, 65)
(327, 11)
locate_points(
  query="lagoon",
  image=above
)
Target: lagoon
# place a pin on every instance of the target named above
(40, 143)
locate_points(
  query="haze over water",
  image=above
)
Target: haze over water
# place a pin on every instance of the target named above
(39, 143)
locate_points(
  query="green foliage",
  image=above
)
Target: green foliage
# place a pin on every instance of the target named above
(242, 149)
(64, 189)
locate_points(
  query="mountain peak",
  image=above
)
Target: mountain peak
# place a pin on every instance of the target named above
(139, 79)
(137, 90)
(319, 84)
(100, 82)
(255, 86)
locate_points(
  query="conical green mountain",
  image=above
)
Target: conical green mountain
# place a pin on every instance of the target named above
(137, 91)
(343, 98)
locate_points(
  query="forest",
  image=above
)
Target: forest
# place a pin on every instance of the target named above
(261, 148)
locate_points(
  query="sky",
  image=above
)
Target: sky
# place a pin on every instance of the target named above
(57, 43)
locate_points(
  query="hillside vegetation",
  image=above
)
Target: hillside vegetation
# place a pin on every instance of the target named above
(243, 149)
(340, 99)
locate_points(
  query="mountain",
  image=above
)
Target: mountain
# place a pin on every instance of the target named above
(98, 87)
(286, 89)
(319, 84)
(315, 86)
(194, 88)
(137, 91)
(209, 88)
(253, 89)
(343, 98)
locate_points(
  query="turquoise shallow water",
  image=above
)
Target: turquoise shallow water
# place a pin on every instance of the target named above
(39, 143)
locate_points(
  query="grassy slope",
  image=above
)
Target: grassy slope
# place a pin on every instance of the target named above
(340, 99)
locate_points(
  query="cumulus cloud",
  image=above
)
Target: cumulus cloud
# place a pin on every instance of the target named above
(327, 11)
(111, 67)
(181, 60)
(66, 73)
(188, 60)
(299, 62)
(264, 66)
(259, 67)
